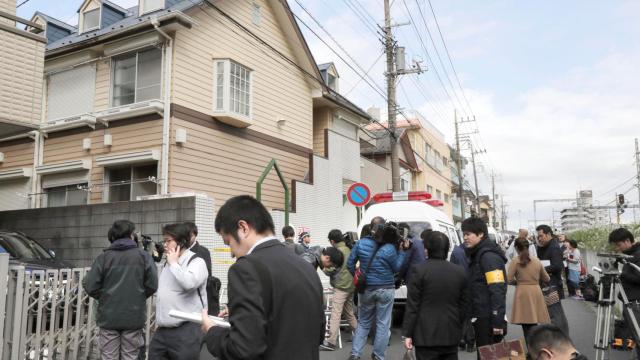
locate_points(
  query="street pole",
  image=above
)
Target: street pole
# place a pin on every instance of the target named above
(475, 177)
(459, 165)
(638, 178)
(493, 201)
(618, 207)
(391, 97)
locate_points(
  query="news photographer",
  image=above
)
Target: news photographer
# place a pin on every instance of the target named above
(623, 242)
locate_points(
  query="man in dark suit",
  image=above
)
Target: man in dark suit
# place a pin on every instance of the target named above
(436, 303)
(275, 297)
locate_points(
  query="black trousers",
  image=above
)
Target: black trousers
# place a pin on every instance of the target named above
(484, 333)
(636, 313)
(526, 329)
(179, 343)
(437, 352)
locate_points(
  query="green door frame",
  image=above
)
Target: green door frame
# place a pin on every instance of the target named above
(274, 164)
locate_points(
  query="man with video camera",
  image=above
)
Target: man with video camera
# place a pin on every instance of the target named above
(623, 241)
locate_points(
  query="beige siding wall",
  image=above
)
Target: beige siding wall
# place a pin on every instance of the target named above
(279, 89)
(321, 121)
(8, 6)
(222, 165)
(103, 78)
(21, 67)
(126, 139)
(17, 155)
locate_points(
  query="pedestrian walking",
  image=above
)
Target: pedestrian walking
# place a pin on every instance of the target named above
(275, 297)
(342, 299)
(488, 289)
(574, 263)
(437, 302)
(549, 342)
(526, 272)
(624, 242)
(380, 258)
(550, 255)
(121, 279)
(182, 286)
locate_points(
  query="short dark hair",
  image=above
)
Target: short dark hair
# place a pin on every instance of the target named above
(475, 225)
(620, 235)
(120, 229)
(247, 208)
(425, 234)
(191, 228)
(437, 244)
(547, 336)
(366, 231)
(573, 243)
(335, 256)
(288, 232)
(545, 229)
(335, 235)
(179, 233)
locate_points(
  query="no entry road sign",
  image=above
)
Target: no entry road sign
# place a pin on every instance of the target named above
(358, 194)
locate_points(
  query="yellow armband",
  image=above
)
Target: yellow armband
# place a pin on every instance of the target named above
(494, 277)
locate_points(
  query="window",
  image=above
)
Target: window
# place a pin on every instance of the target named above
(152, 5)
(136, 77)
(232, 88)
(67, 195)
(332, 82)
(127, 183)
(256, 14)
(91, 19)
(404, 185)
(446, 198)
(430, 189)
(438, 194)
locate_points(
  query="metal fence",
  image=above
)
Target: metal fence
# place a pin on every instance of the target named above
(46, 314)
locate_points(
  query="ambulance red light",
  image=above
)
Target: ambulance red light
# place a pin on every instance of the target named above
(435, 203)
(401, 196)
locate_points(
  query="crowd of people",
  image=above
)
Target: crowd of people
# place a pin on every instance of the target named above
(276, 302)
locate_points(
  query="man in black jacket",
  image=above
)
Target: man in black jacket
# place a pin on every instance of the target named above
(624, 242)
(275, 297)
(213, 283)
(121, 279)
(551, 256)
(486, 282)
(437, 303)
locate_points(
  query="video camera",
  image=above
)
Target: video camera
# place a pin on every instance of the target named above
(608, 263)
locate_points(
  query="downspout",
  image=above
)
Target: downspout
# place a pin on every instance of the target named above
(166, 124)
(38, 151)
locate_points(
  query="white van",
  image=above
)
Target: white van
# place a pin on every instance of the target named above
(411, 208)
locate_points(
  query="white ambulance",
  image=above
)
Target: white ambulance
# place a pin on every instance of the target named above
(417, 209)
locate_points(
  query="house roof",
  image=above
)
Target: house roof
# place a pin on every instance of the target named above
(112, 5)
(54, 21)
(131, 19)
(344, 102)
(383, 146)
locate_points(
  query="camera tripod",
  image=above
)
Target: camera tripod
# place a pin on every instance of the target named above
(610, 286)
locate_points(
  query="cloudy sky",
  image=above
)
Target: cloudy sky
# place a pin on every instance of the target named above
(554, 86)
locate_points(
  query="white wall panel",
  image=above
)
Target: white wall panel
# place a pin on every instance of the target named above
(71, 92)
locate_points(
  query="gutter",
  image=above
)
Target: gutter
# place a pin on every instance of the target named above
(166, 116)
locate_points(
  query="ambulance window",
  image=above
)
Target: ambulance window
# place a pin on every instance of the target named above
(418, 227)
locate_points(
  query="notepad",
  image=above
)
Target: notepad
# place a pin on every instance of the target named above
(197, 318)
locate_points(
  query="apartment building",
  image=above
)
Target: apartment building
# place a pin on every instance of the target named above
(167, 97)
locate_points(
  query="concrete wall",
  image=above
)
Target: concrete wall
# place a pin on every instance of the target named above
(78, 234)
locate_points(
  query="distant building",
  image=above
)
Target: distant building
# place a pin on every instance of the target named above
(583, 215)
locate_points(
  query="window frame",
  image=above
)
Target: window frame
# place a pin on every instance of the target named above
(136, 53)
(145, 10)
(226, 108)
(106, 195)
(84, 24)
(66, 194)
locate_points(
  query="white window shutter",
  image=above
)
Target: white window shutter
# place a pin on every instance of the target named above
(71, 92)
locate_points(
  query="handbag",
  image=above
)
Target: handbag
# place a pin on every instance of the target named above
(360, 277)
(505, 350)
(583, 268)
(551, 295)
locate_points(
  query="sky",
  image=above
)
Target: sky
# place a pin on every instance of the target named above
(554, 86)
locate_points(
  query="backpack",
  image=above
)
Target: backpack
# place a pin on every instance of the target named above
(213, 286)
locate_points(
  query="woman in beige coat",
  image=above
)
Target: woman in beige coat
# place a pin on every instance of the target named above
(526, 272)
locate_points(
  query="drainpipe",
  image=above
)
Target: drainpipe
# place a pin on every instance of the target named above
(38, 150)
(164, 173)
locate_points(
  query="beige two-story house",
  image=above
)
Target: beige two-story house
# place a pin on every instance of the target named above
(168, 97)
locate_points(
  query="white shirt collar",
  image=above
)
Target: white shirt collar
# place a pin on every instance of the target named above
(262, 241)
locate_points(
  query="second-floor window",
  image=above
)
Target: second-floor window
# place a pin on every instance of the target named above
(232, 88)
(136, 77)
(91, 19)
(129, 182)
(66, 195)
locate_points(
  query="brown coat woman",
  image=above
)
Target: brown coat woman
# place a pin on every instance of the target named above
(529, 308)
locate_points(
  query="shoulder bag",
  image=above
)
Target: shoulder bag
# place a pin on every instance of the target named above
(360, 277)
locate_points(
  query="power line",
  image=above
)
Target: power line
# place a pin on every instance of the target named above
(455, 73)
(22, 3)
(368, 71)
(362, 18)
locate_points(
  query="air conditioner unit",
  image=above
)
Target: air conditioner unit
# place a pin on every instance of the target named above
(131, 110)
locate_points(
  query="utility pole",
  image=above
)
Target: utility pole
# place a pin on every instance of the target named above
(494, 203)
(459, 165)
(503, 223)
(637, 177)
(475, 174)
(395, 68)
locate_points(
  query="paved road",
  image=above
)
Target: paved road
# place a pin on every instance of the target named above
(581, 316)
